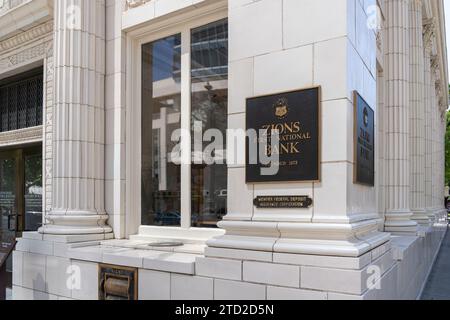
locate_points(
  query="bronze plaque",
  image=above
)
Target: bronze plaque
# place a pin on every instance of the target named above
(364, 145)
(296, 116)
(283, 202)
(117, 283)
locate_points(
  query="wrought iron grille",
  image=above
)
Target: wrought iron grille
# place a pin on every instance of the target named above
(21, 104)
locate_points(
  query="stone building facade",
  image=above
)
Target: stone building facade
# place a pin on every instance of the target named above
(118, 77)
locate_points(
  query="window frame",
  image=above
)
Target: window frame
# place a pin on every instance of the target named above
(181, 24)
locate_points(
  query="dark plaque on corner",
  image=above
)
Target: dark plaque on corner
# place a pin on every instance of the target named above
(364, 168)
(283, 202)
(295, 116)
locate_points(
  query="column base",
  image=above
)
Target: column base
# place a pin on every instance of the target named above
(431, 213)
(400, 223)
(75, 223)
(421, 217)
(346, 240)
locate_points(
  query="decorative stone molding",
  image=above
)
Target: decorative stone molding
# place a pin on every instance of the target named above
(21, 136)
(135, 3)
(379, 41)
(6, 5)
(429, 30)
(20, 15)
(41, 50)
(434, 63)
(26, 36)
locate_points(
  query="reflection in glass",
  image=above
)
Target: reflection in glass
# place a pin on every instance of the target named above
(209, 78)
(8, 208)
(33, 192)
(161, 101)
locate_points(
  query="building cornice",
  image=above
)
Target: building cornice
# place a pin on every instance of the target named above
(26, 36)
(24, 16)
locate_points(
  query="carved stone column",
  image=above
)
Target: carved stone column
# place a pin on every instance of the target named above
(435, 118)
(79, 116)
(429, 91)
(398, 212)
(417, 116)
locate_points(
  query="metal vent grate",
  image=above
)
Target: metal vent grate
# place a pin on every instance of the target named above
(21, 104)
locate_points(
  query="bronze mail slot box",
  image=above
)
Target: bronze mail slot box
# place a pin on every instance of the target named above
(117, 283)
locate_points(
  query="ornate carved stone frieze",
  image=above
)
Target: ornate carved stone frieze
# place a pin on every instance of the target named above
(429, 32)
(43, 49)
(434, 64)
(6, 5)
(26, 36)
(379, 40)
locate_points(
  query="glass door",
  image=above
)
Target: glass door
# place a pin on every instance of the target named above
(9, 215)
(32, 161)
(20, 198)
(8, 201)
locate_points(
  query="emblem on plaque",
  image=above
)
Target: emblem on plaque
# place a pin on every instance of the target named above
(366, 117)
(281, 108)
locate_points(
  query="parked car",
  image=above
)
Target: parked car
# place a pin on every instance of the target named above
(172, 218)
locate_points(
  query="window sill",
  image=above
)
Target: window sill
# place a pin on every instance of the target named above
(187, 236)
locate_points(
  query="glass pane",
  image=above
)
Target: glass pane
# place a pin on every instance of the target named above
(209, 77)
(161, 102)
(33, 192)
(7, 202)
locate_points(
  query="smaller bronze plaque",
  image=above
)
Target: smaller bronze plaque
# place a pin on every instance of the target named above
(117, 283)
(283, 202)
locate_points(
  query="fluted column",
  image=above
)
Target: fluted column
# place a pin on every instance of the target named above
(417, 116)
(434, 163)
(79, 116)
(398, 212)
(429, 90)
(434, 137)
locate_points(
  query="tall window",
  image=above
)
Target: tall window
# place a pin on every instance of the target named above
(161, 106)
(21, 101)
(165, 112)
(209, 81)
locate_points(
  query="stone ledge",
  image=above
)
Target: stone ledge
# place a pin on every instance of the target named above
(401, 245)
(100, 252)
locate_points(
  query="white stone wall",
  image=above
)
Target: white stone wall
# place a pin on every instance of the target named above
(362, 73)
(272, 49)
(46, 270)
(115, 106)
